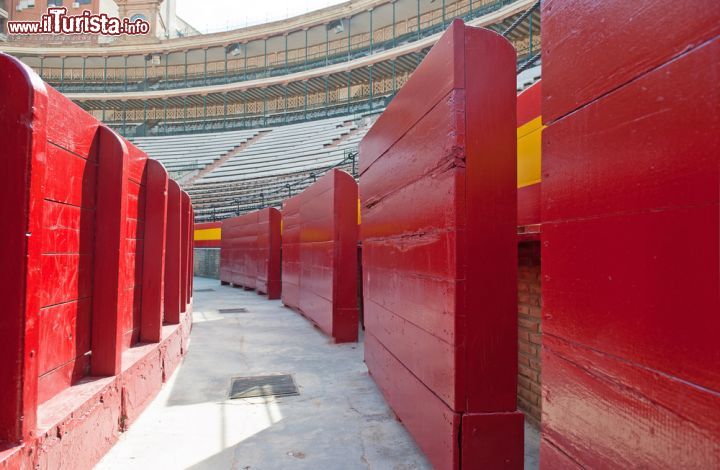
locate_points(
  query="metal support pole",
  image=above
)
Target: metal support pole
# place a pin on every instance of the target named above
(327, 45)
(125, 77)
(145, 76)
(306, 99)
(348, 89)
(285, 104)
(205, 68)
(306, 47)
(393, 22)
(286, 53)
(327, 93)
(124, 117)
(186, 68)
(371, 31)
(165, 101)
(184, 113)
(224, 110)
(530, 50)
(264, 106)
(265, 58)
(226, 66)
(443, 13)
(62, 71)
(245, 48)
(418, 19)
(42, 66)
(85, 59)
(394, 76)
(370, 94)
(204, 111)
(167, 60)
(349, 36)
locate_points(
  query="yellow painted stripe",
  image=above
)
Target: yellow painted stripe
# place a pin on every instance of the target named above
(208, 234)
(358, 211)
(529, 150)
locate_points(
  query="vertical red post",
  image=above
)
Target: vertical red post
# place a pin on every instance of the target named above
(173, 254)
(23, 134)
(191, 248)
(268, 253)
(184, 244)
(110, 254)
(156, 198)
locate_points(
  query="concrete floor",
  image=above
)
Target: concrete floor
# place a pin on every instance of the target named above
(339, 420)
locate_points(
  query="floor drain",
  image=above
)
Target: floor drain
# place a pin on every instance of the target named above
(204, 290)
(263, 386)
(233, 310)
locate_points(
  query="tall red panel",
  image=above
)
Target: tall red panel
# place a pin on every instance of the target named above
(439, 212)
(250, 253)
(631, 240)
(291, 252)
(154, 252)
(323, 244)
(173, 256)
(185, 247)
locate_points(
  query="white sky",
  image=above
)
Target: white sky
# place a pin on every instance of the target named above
(219, 15)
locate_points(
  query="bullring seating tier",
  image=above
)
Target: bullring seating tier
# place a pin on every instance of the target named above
(265, 160)
(188, 152)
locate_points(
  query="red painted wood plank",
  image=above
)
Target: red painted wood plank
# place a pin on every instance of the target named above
(77, 174)
(434, 426)
(630, 151)
(443, 67)
(153, 285)
(529, 205)
(605, 412)
(70, 127)
(23, 133)
(67, 229)
(641, 271)
(529, 103)
(110, 235)
(64, 332)
(636, 37)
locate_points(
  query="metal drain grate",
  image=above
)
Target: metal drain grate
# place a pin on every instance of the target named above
(233, 310)
(263, 386)
(204, 290)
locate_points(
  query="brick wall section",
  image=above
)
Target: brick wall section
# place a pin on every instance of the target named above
(207, 262)
(529, 330)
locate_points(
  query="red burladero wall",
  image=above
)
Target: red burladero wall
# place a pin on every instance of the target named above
(630, 234)
(88, 223)
(250, 252)
(320, 234)
(437, 188)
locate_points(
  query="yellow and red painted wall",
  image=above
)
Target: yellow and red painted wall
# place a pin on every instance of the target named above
(208, 235)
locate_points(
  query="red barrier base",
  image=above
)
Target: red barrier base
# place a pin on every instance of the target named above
(79, 425)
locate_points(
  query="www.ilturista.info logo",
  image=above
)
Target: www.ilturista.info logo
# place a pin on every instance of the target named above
(57, 21)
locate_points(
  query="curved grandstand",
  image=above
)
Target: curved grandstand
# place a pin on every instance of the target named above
(271, 106)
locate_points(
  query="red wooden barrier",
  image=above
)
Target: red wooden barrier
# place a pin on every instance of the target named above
(320, 241)
(250, 253)
(76, 262)
(438, 185)
(630, 252)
